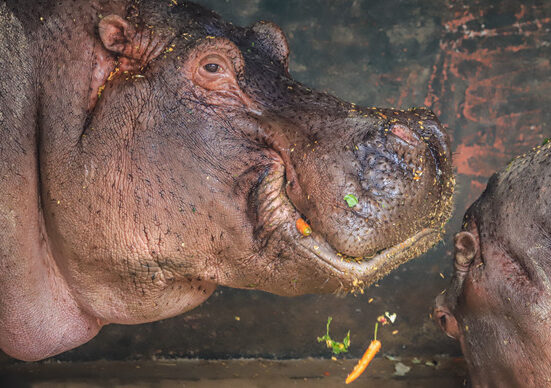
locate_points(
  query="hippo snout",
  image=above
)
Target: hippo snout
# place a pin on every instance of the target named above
(396, 164)
(374, 184)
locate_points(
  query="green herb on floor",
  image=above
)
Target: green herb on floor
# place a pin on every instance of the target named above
(337, 347)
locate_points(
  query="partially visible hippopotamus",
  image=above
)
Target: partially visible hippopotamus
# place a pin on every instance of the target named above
(499, 302)
(150, 151)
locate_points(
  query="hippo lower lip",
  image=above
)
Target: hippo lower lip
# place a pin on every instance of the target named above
(374, 268)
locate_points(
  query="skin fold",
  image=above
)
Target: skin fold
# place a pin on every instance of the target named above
(150, 151)
(498, 305)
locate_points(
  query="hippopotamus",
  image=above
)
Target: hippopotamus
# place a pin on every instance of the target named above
(499, 303)
(150, 151)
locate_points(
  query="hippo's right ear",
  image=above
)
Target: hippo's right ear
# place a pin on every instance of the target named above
(116, 34)
(134, 47)
(466, 249)
(271, 38)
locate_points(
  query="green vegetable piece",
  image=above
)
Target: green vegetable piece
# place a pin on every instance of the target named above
(336, 347)
(545, 141)
(351, 200)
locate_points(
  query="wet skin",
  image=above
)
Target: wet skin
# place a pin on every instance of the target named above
(151, 151)
(499, 303)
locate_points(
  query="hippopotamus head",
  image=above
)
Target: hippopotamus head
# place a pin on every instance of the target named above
(235, 151)
(176, 153)
(499, 302)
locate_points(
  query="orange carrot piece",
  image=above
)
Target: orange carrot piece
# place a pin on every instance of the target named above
(371, 351)
(303, 227)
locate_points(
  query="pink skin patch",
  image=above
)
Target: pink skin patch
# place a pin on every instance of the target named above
(405, 134)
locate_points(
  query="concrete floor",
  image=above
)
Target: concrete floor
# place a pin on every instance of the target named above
(257, 373)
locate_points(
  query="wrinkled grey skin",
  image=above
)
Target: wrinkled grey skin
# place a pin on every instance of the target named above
(499, 302)
(150, 151)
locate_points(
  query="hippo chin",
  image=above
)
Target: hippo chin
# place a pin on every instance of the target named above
(499, 302)
(150, 151)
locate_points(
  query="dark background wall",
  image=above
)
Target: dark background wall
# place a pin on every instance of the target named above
(482, 66)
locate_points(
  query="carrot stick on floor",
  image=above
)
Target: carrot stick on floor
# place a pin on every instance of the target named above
(371, 351)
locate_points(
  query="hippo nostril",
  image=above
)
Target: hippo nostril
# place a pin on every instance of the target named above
(405, 133)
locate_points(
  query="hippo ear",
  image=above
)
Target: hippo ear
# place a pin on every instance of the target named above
(272, 41)
(116, 34)
(135, 47)
(466, 249)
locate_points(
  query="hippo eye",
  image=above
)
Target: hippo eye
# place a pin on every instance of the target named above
(212, 67)
(443, 321)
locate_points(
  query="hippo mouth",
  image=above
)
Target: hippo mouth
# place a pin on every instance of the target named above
(365, 271)
(276, 222)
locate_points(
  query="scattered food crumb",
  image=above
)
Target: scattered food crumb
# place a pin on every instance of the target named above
(401, 369)
(391, 317)
(351, 200)
(303, 227)
(237, 318)
(392, 358)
